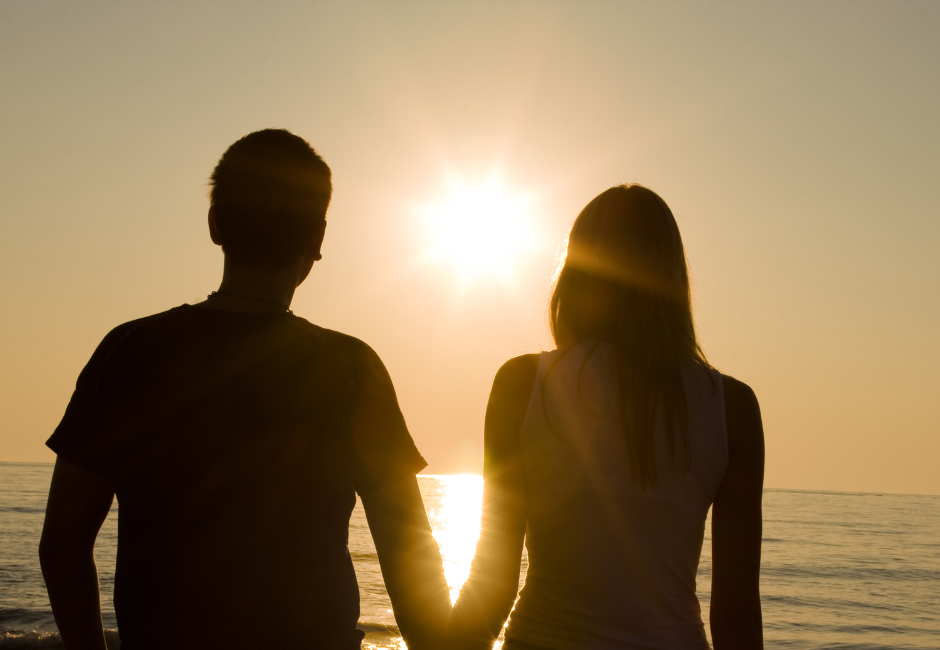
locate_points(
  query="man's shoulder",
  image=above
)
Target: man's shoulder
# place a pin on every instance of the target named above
(363, 362)
(125, 331)
(355, 348)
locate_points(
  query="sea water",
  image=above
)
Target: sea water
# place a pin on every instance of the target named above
(839, 570)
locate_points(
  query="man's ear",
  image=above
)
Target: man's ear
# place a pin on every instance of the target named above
(317, 241)
(214, 232)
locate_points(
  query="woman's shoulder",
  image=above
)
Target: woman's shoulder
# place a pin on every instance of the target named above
(521, 365)
(739, 395)
(743, 418)
(517, 374)
(505, 412)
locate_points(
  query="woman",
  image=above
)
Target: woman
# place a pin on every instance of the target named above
(605, 454)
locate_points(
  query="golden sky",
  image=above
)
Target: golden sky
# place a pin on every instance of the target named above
(797, 143)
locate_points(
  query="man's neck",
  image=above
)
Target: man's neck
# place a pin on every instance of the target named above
(253, 290)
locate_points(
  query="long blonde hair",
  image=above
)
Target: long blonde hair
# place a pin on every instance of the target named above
(625, 280)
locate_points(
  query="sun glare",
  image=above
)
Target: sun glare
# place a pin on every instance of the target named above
(457, 526)
(479, 229)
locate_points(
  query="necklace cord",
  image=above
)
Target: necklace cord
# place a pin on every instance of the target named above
(286, 306)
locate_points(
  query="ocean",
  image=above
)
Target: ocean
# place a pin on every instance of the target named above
(839, 570)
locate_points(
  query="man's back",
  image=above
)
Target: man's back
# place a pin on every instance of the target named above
(235, 442)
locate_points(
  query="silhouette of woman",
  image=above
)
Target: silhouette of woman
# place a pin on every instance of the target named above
(605, 454)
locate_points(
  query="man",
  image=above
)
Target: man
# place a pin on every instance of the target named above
(235, 436)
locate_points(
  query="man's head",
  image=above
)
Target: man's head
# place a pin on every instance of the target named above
(270, 192)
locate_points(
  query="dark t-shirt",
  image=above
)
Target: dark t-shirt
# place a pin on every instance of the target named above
(235, 442)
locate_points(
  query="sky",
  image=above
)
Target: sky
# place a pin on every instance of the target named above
(797, 143)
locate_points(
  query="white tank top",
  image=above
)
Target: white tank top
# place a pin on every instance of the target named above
(611, 565)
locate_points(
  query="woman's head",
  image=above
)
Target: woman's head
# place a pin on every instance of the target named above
(625, 281)
(624, 274)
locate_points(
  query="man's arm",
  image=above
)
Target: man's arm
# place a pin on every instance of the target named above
(410, 560)
(736, 527)
(79, 502)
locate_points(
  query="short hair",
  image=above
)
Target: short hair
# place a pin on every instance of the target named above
(269, 192)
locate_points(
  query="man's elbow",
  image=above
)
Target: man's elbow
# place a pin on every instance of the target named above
(47, 548)
(50, 552)
(56, 551)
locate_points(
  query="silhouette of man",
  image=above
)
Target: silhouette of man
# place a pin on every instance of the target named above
(236, 436)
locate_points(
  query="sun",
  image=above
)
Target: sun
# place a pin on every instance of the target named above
(479, 229)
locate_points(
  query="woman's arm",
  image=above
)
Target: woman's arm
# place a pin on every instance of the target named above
(79, 502)
(489, 593)
(736, 527)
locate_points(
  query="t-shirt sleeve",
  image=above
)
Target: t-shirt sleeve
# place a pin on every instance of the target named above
(382, 448)
(80, 436)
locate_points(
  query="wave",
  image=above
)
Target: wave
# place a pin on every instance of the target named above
(34, 640)
(378, 636)
(850, 573)
(379, 628)
(28, 510)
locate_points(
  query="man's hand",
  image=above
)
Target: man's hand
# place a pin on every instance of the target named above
(79, 502)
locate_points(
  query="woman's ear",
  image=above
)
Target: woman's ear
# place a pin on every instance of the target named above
(214, 232)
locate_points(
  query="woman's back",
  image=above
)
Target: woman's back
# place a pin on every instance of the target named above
(612, 565)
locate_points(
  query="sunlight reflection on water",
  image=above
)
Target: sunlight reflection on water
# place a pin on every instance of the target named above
(455, 521)
(453, 503)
